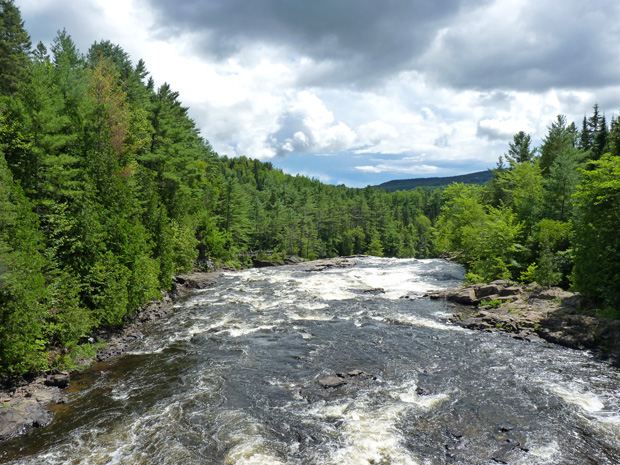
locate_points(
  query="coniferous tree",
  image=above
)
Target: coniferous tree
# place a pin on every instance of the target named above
(600, 145)
(594, 122)
(585, 136)
(519, 150)
(558, 139)
(15, 47)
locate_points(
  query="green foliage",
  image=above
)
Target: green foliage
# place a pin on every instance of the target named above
(561, 138)
(551, 240)
(14, 47)
(23, 293)
(107, 191)
(519, 150)
(495, 303)
(597, 243)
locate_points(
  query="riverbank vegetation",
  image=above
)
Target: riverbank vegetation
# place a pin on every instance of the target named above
(107, 190)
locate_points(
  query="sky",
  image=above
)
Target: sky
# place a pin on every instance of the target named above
(359, 92)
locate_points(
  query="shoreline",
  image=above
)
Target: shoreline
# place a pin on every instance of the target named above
(27, 403)
(535, 314)
(528, 313)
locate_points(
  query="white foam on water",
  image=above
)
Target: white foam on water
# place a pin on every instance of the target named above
(541, 454)
(369, 432)
(370, 437)
(310, 316)
(410, 396)
(585, 400)
(252, 451)
(244, 330)
(414, 320)
(243, 436)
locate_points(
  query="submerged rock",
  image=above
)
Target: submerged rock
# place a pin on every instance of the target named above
(374, 291)
(320, 265)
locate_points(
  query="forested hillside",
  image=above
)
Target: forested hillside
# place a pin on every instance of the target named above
(107, 190)
(479, 178)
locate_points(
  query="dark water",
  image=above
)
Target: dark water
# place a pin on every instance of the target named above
(231, 378)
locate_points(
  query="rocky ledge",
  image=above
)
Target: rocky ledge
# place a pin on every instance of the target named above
(533, 313)
(24, 405)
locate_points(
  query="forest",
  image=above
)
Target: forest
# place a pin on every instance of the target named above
(108, 190)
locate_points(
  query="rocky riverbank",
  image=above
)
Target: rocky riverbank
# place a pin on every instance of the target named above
(26, 402)
(535, 314)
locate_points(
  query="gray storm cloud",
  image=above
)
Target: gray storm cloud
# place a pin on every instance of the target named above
(461, 43)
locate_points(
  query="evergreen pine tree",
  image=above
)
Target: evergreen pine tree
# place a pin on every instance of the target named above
(15, 47)
(600, 147)
(585, 136)
(519, 150)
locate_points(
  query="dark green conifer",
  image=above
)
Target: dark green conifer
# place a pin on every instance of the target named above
(15, 47)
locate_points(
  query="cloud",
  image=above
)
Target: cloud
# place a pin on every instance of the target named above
(356, 41)
(397, 168)
(528, 45)
(382, 88)
(308, 126)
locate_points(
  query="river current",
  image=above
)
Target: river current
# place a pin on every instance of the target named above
(232, 377)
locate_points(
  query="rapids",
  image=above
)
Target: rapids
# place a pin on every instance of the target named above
(232, 378)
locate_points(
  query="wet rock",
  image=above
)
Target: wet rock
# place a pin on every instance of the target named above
(320, 265)
(374, 291)
(198, 280)
(502, 454)
(256, 263)
(17, 419)
(332, 382)
(60, 380)
(422, 391)
(505, 427)
(534, 314)
(455, 433)
(25, 407)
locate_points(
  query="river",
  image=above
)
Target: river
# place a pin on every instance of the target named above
(232, 377)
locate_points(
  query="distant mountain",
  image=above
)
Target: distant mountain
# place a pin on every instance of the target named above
(480, 177)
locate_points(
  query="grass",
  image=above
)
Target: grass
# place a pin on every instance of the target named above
(491, 303)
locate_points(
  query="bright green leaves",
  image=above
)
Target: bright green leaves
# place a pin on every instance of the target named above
(486, 238)
(551, 241)
(597, 242)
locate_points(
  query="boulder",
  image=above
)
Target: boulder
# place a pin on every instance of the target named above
(465, 296)
(60, 380)
(374, 291)
(553, 293)
(332, 382)
(198, 280)
(24, 415)
(486, 290)
(510, 291)
(257, 263)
